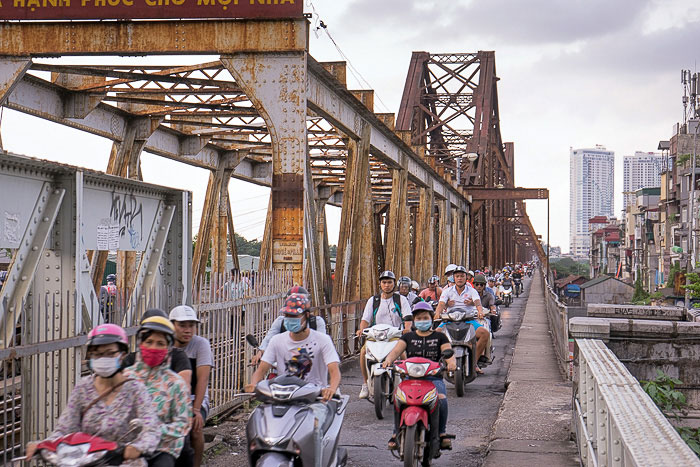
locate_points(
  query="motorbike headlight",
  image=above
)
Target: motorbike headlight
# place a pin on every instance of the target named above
(400, 396)
(417, 370)
(73, 455)
(283, 392)
(455, 315)
(381, 335)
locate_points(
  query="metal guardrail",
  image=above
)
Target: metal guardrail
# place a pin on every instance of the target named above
(558, 319)
(617, 424)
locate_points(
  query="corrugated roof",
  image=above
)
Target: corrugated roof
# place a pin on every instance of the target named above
(600, 279)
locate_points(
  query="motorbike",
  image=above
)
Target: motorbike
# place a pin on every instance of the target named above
(507, 296)
(416, 401)
(84, 450)
(518, 286)
(381, 339)
(291, 427)
(462, 337)
(253, 342)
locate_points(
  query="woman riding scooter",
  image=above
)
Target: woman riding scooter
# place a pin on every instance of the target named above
(170, 393)
(426, 343)
(103, 403)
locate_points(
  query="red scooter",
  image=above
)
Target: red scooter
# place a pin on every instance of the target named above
(416, 402)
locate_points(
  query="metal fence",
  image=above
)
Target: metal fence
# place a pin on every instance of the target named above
(46, 358)
(558, 319)
(617, 424)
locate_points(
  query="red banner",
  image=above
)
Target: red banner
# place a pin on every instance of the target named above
(148, 9)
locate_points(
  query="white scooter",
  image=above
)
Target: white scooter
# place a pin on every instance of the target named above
(381, 339)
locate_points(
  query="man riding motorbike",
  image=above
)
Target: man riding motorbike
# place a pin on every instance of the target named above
(488, 302)
(465, 296)
(433, 292)
(169, 392)
(388, 307)
(315, 322)
(105, 402)
(405, 289)
(324, 360)
(430, 344)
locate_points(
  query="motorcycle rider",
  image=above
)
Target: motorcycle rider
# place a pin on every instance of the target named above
(507, 281)
(315, 322)
(301, 339)
(388, 307)
(198, 350)
(179, 362)
(433, 292)
(449, 279)
(464, 296)
(427, 343)
(104, 402)
(108, 297)
(491, 286)
(405, 289)
(170, 394)
(488, 302)
(518, 276)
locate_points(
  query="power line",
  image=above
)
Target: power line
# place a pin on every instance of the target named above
(354, 71)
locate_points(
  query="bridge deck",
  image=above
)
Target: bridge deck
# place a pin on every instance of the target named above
(534, 422)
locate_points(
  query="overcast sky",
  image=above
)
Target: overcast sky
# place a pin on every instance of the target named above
(572, 73)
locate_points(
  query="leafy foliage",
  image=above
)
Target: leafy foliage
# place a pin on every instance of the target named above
(694, 286)
(567, 266)
(675, 269)
(662, 391)
(640, 296)
(247, 247)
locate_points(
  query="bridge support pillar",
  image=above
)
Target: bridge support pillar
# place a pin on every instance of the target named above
(423, 265)
(354, 264)
(445, 235)
(276, 85)
(398, 254)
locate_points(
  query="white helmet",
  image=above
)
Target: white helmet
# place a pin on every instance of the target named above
(450, 268)
(183, 313)
(471, 273)
(415, 285)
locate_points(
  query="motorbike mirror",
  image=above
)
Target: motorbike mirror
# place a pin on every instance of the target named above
(252, 340)
(135, 423)
(449, 353)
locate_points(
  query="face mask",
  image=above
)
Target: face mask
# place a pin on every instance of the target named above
(153, 357)
(105, 366)
(292, 324)
(423, 325)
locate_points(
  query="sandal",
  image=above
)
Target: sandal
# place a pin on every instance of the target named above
(393, 445)
(479, 371)
(445, 442)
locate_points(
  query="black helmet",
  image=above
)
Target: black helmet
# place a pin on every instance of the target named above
(433, 280)
(153, 312)
(111, 278)
(387, 275)
(405, 280)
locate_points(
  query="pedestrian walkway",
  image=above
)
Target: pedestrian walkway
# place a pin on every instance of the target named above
(534, 422)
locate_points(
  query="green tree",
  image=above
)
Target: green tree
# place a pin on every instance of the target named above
(247, 247)
(333, 249)
(640, 296)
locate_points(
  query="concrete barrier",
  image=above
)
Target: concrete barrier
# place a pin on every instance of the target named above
(673, 313)
(616, 422)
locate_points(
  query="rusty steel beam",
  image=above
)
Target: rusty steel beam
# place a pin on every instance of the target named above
(153, 37)
(486, 194)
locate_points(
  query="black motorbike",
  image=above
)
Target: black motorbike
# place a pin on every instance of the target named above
(518, 283)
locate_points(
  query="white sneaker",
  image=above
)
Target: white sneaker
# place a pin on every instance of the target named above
(364, 392)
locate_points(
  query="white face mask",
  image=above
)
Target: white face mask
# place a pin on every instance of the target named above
(105, 366)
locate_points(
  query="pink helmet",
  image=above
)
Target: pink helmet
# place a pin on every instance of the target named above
(108, 334)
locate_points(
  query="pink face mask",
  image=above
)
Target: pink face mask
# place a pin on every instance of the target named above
(153, 357)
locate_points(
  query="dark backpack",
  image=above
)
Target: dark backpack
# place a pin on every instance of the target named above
(312, 324)
(378, 300)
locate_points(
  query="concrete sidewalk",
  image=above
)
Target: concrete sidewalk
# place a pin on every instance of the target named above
(534, 421)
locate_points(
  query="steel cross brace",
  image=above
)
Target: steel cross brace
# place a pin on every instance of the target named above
(21, 273)
(148, 267)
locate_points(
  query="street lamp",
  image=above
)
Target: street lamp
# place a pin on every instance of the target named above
(472, 156)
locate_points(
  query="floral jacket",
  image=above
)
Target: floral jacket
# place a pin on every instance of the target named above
(170, 400)
(110, 421)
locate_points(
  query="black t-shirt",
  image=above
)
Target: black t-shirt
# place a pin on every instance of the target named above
(178, 360)
(517, 275)
(487, 301)
(426, 347)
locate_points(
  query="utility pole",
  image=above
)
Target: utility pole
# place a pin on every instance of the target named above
(690, 263)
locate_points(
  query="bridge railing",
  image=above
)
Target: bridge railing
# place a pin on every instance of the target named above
(616, 422)
(558, 319)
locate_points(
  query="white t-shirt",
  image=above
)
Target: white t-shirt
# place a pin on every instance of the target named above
(469, 293)
(319, 347)
(386, 314)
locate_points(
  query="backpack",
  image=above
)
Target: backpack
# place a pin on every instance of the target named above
(377, 301)
(312, 324)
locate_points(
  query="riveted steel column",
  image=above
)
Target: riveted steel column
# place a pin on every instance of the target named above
(423, 264)
(445, 240)
(12, 69)
(276, 84)
(397, 227)
(357, 189)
